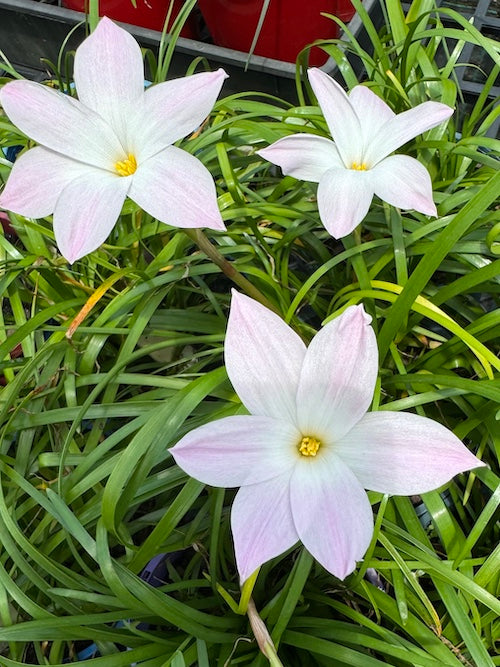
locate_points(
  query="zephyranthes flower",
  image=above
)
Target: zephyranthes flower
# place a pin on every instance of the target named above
(114, 141)
(358, 163)
(307, 451)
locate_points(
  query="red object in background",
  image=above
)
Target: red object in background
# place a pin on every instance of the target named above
(7, 228)
(147, 13)
(288, 26)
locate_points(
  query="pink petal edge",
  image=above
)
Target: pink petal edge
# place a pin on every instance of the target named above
(303, 156)
(109, 75)
(176, 188)
(86, 211)
(171, 110)
(404, 127)
(371, 110)
(339, 114)
(344, 199)
(80, 133)
(404, 454)
(338, 376)
(402, 181)
(263, 358)
(262, 524)
(332, 513)
(238, 450)
(36, 180)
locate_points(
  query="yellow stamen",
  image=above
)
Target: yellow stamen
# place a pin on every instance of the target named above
(309, 446)
(126, 167)
(359, 166)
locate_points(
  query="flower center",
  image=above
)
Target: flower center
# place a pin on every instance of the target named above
(359, 166)
(309, 446)
(126, 167)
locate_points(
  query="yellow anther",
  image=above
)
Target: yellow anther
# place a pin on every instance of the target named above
(309, 446)
(359, 166)
(126, 167)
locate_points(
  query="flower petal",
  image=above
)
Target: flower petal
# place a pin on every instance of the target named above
(174, 187)
(344, 198)
(303, 156)
(172, 109)
(263, 359)
(402, 181)
(61, 123)
(109, 75)
(340, 116)
(405, 126)
(332, 513)
(36, 181)
(371, 110)
(238, 450)
(338, 376)
(86, 212)
(403, 454)
(262, 524)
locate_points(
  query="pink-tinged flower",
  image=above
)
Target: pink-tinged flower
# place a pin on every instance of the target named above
(358, 163)
(114, 141)
(307, 451)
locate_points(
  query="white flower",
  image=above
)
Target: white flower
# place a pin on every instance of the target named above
(307, 451)
(114, 141)
(358, 163)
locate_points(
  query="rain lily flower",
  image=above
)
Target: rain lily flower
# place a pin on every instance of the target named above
(309, 448)
(114, 141)
(358, 163)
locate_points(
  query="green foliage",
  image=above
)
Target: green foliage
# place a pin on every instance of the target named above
(107, 363)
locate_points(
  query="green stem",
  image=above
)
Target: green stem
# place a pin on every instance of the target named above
(227, 268)
(93, 14)
(262, 635)
(246, 592)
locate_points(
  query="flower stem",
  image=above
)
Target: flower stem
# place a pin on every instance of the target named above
(262, 635)
(227, 268)
(246, 592)
(93, 14)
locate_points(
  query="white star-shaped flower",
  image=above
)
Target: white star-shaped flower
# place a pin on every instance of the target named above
(114, 141)
(358, 163)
